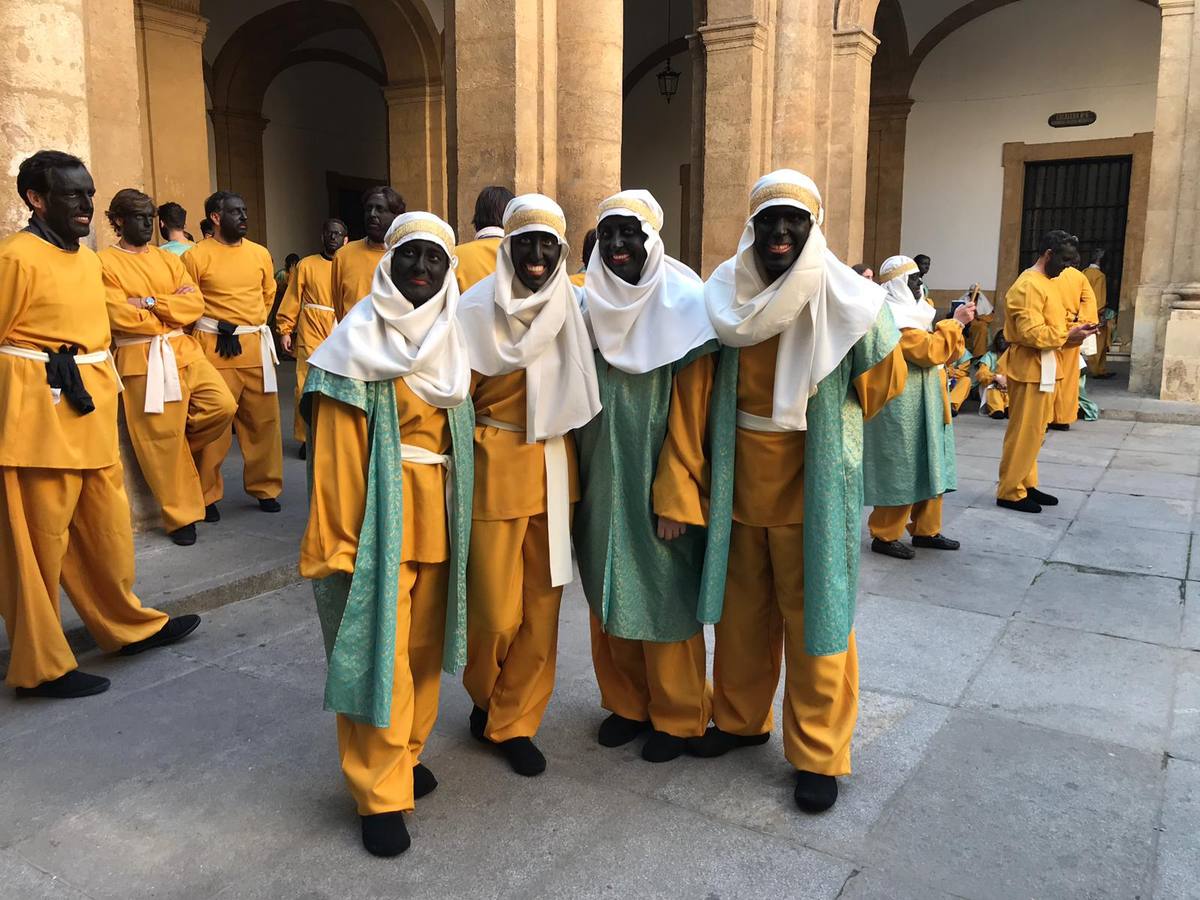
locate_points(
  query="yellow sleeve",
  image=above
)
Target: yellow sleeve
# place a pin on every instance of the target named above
(122, 316)
(289, 306)
(269, 287)
(1025, 311)
(14, 294)
(928, 349)
(179, 310)
(191, 262)
(335, 287)
(680, 489)
(882, 383)
(1088, 310)
(338, 444)
(984, 375)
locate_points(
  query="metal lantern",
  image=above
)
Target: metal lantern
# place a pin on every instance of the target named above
(668, 81)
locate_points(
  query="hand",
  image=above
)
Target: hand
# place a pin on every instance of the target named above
(965, 314)
(185, 289)
(1079, 334)
(136, 302)
(669, 529)
(285, 341)
(1001, 381)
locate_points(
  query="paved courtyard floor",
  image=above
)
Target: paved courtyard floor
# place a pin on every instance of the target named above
(1029, 728)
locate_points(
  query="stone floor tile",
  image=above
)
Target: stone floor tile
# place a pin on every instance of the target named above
(21, 880)
(980, 468)
(1191, 616)
(1184, 741)
(1148, 484)
(1006, 531)
(1093, 545)
(1070, 502)
(1188, 444)
(1178, 865)
(1053, 475)
(1136, 513)
(1150, 461)
(1072, 455)
(989, 582)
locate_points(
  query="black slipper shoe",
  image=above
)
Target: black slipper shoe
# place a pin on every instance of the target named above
(67, 687)
(185, 536)
(302, 453)
(716, 742)
(616, 731)
(1040, 498)
(176, 629)
(269, 505)
(423, 781)
(661, 747)
(478, 723)
(1025, 504)
(211, 513)
(1059, 426)
(385, 834)
(815, 793)
(894, 549)
(997, 415)
(934, 542)
(524, 757)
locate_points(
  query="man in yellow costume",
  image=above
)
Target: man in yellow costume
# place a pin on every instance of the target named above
(234, 275)
(388, 392)
(1080, 304)
(1105, 314)
(810, 351)
(1035, 327)
(533, 382)
(477, 258)
(354, 265)
(306, 315)
(64, 514)
(175, 402)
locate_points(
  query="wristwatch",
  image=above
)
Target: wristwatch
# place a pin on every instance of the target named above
(150, 302)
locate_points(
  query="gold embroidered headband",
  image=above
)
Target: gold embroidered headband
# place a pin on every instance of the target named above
(526, 217)
(422, 226)
(638, 207)
(896, 271)
(785, 191)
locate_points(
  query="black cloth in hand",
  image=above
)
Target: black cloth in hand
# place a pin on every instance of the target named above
(62, 372)
(229, 344)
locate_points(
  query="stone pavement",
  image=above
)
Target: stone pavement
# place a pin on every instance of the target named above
(1030, 728)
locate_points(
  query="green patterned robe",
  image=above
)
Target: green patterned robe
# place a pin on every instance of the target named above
(833, 487)
(909, 447)
(358, 612)
(639, 586)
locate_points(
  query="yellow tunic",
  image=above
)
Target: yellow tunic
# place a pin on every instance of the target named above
(351, 273)
(1099, 282)
(995, 401)
(238, 284)
(979, 334)
(1035, 320)
(309, 287)
(476, 261)
(1080, 304)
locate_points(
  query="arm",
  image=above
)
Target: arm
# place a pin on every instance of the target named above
(1089, 312)
(883, 382)
(339, 488)
(289, 310)
(1025, 307)
(185, 304)
(123, 315)
(680, 490)
(928, 349)
(268, 286)
(14, 295)
(335, 289)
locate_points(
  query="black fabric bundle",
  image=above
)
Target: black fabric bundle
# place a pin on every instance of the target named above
(229, 344)
(62, 372)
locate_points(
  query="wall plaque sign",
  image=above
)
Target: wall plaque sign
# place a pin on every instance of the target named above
(1072, 119)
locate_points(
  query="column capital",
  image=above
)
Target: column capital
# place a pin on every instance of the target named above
(855, 42)
(734, 34)
(1177, 7)
(178, 18)
(414, 90)
(243, 120)
(891, 107)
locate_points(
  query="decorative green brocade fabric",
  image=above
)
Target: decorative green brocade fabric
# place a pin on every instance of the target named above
(833, 488)
(358, 612)
(639, 586)
(909, 447)
(1089, 408)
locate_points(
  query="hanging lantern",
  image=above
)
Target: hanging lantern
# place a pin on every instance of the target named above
(668, 81)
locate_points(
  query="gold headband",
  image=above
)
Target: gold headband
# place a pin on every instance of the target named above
(896, 271)
(785, 191)
(638, 207)
(532, 216)
(421, 226)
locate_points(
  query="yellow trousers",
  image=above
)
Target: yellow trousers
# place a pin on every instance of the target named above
(978, 338)
(1029, 413)
(299, 429)
(995, 400)
(167, 443)
(259, 436)
(512, 624)
(378, 762)
(68, 526)
(663, 683)
(924, 518)
(1066, 389)
(764, 621)
(959, 393)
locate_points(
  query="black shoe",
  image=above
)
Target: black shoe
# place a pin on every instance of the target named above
(815, 793)
(65, 687)
(211, 513)
(934, 542)
(1105, 376)
(616, 731)
(716, 742)
(661, 747)
(1025, 504)
(423, 781)
(176, 629)
(302, 453)
(998, 415)
(1040, 498)
(185, 536)
(1059, 426)
(270, 504)
(524, 757)
(385, 834)
(891, 548)
(478, 723)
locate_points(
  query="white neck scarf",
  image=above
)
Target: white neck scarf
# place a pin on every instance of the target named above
(508, 328)
(907, 310)
(388, 337)
(820, 307)
(640, 327)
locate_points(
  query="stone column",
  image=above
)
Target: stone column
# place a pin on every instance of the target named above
(590, 103)
(43, 91)
(417, 168)
(887, 132)
(845, 193)
(800, 98)
(170, 35)
(239, 143)
(1169, 258)
(503, 120)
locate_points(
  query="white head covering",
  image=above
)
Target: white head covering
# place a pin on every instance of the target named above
(639, 327)
(388, 338)
(820, 307)
(508, 328)
(907, 310)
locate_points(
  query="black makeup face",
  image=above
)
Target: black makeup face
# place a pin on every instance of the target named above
(923, 264)
(333, 235)
(780, 233)
(914, 285)
(535, 256)
(232, 221)
(1061, 258)
(377, 218)
(622, 243)
(137, 228)
(68, 207)
(419, 269)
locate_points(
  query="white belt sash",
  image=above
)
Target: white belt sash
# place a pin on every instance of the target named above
(318, 306)
(419, 456)
(88, 359)
(558, 500)
(162, 371)
(1049, 371)
(266, 342)
(751, 422)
